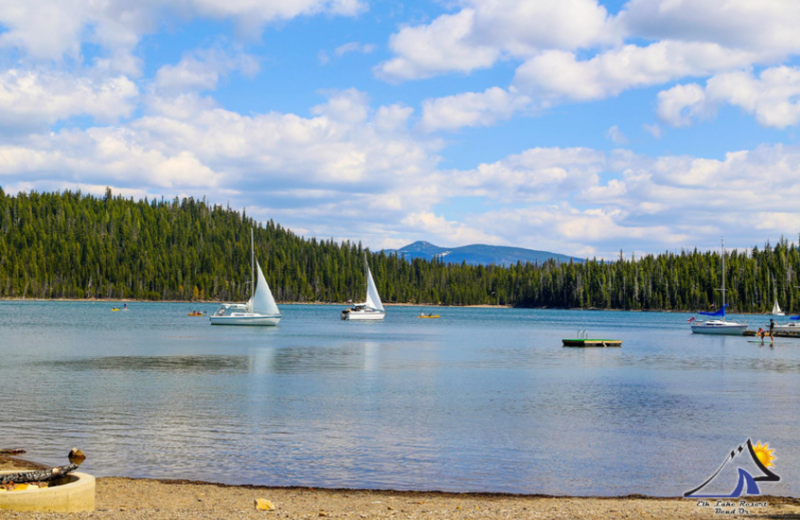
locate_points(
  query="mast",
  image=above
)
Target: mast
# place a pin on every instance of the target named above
(253, 265)
(723, 277)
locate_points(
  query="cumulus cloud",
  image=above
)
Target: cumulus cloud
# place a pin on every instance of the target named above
(772, 97)
(471, 109)
(442, 46)
(54, 29)
(33, 99)
(481, 32)
(766, 27)
(558, 75)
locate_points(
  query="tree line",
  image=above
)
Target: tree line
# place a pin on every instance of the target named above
(77, 246)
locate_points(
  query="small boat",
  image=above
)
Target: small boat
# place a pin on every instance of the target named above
(196, 313)
(423, 315)
(372, 309)
(776, 310)
(792, 326)
(114, 309)
(260, 309)
(720, 326)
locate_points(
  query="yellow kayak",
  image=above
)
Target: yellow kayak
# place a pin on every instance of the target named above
(428, 316)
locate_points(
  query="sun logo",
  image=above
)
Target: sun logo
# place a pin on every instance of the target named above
(764, 454)
(747, 483)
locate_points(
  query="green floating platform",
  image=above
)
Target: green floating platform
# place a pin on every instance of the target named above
(592, 342)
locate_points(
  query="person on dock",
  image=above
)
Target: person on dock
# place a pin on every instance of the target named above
(772, 331)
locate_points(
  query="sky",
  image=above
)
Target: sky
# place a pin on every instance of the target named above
(581, 127)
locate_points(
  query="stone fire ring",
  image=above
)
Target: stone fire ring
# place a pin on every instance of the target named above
(71, 493)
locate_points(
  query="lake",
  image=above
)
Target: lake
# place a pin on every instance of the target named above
(478, 400)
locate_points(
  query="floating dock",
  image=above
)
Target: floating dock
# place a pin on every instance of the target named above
(592, 342)
(778, 334)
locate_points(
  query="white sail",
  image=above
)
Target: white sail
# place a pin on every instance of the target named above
(776, 309)
(373, 299)
(262, 301)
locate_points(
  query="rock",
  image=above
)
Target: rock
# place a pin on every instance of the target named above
(262, 504)
(76, 456)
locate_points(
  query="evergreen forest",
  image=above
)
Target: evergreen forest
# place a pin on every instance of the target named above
(77, 246)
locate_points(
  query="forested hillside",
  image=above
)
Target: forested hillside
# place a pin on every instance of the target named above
(71, 245)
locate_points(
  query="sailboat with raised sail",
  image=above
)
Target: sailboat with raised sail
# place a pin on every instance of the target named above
(720, 326)
(776, 310)
(260, 309)
(372, 309)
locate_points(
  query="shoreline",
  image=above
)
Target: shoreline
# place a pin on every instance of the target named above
(385, 304)
(163, 499)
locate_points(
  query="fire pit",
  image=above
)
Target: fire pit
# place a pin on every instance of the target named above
(71, 493)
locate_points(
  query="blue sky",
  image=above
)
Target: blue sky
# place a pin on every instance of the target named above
(576, 126)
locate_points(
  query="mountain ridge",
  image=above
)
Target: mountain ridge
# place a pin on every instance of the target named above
(479, 254)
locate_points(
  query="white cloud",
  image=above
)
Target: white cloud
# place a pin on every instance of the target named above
(653, 129)
(442, 46)
(772, 97)
(471, 109)
(356, 47)
(32, 99)
(537, 175)
(766, 26)
(481, 32)
(201, 70)
(616, 135)
(559, 75)
(447, 232)
(53, 29)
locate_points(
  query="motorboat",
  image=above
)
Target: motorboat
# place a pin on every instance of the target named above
(792, 326)
(261, 309)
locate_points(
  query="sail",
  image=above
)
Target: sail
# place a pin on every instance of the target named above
(262, 301)
(776, 309)
(373, 299)
(720, 312)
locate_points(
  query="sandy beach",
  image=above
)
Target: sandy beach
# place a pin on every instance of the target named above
(123, 498)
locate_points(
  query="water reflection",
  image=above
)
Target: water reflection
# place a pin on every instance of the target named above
(171, 364)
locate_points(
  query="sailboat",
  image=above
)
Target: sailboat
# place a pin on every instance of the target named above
(260, 309)
(372, 309)
(776, 310)
(720, 326)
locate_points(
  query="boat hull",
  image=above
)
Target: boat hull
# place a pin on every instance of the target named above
(262, 320)
(363, 316)
(720, 329)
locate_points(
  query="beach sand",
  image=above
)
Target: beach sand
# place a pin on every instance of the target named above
(134, 499)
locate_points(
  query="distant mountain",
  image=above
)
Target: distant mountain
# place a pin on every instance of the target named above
(478, 254)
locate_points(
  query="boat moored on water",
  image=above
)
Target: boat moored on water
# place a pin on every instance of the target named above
(261, 309)
(792, 326)
(720, 326)
(776, 310)
(372, 309)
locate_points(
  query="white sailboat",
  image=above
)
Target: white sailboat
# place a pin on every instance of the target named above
(372, 309)
(260, 309)
(720, 326)
(776, 310)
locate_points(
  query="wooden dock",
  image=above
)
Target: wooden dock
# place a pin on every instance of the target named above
(592, 342)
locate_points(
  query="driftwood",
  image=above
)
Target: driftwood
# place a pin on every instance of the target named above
(41, 475)
(11, 452)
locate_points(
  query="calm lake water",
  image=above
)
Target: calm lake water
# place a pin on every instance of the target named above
(478, 400)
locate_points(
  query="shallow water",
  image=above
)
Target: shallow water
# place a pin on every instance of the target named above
(478, 400)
